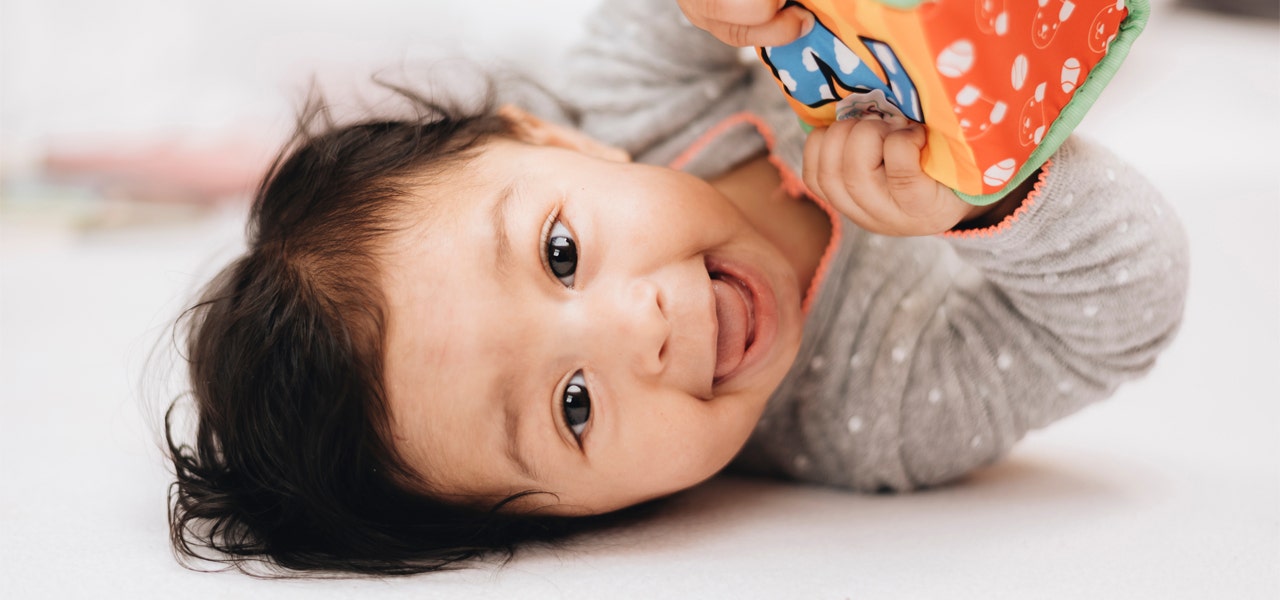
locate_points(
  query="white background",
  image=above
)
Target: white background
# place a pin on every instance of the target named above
(1170, 490)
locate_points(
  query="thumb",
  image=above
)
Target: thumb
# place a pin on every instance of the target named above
(902, 148)
(785, 27)
(913, 190)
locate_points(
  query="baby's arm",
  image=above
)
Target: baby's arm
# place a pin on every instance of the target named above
(1040, 316)
(926, 357)
(644, 78)
(1076, 296)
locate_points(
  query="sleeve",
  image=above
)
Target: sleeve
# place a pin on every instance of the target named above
(1048, 312)
(925, 358)
(644, 79)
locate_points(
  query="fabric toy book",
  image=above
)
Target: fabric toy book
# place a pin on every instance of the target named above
(998, 84)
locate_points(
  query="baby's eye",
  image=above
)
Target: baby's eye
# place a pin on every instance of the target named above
(577, 404)
(562, 253)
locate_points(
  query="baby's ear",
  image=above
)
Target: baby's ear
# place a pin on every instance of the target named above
(530, 129)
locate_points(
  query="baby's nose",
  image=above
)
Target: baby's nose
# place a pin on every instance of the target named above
(641, 328)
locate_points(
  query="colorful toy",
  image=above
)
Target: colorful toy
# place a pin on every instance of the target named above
(998, 84)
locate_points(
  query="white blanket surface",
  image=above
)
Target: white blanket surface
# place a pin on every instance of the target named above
(1169, 490)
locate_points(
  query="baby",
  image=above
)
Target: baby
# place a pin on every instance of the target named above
(457, 332)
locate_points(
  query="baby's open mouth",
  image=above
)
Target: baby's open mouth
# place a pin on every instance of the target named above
(735, 315)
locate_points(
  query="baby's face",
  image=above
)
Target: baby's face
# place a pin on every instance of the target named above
(569, 322)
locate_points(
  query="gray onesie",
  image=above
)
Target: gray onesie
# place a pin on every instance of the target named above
(922, 358)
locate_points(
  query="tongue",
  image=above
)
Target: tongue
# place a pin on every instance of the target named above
(731, 312)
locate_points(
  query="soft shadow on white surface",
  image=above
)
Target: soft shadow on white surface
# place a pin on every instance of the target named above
(1170, 490)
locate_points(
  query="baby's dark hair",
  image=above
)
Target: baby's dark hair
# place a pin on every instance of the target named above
(291, 467)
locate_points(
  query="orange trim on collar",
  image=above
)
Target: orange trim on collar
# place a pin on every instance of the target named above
(792, 184)
(1011, 218)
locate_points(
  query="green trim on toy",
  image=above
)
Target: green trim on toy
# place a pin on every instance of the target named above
(1071, 115)
(903, 4)
(1074, 111)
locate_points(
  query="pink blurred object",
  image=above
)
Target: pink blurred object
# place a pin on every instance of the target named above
(164, 170)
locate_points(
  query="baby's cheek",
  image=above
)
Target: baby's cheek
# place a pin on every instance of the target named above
(694, 448)
(736, 418)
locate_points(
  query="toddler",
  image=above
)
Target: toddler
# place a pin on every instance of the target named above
(457, 332)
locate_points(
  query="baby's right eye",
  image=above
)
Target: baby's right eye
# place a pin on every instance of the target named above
(562, 253)
(576, 404)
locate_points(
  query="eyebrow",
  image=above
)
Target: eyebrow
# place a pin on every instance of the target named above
(511, 427)
(502, 259)
(506, 387)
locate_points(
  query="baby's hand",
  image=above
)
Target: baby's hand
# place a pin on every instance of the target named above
(748, 22)
(870, 170)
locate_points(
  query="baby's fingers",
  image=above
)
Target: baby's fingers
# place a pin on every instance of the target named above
(744, 12)
(881, 163)
(825, 173)
(870, 171)
(748, 22)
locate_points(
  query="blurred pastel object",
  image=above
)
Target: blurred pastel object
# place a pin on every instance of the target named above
(163, 169)
(998, 84)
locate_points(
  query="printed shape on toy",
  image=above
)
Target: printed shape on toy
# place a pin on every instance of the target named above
(819, 69)
(1032, 123)
(1049, 18)
(1102, 30)
(992, 79)
(991, 16)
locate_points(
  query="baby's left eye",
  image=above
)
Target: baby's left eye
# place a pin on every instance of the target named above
(562, 253)
(576, 405)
